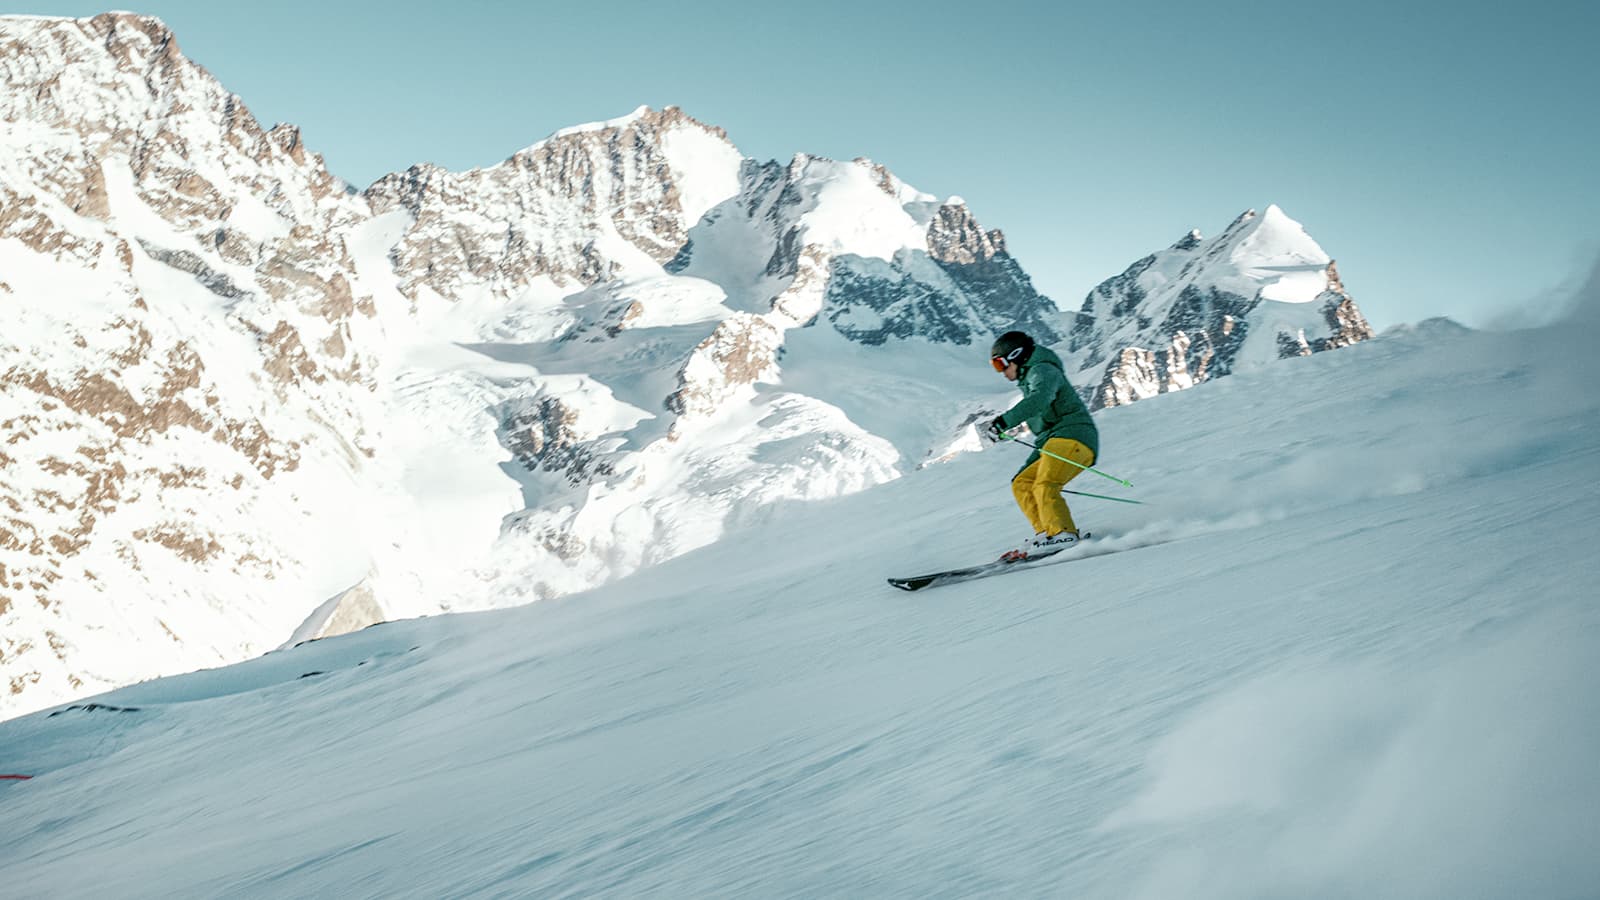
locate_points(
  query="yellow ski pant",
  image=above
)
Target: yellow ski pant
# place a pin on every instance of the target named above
(1038, 486)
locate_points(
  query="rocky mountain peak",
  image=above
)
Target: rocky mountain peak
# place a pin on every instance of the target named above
(1263, 289)
(643, 126)
(1188, 242)
(577, 208)
(954, 236)
(115, 91)
(1241, 220)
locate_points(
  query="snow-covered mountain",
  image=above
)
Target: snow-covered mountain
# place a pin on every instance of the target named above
(1261, 290)
(244, 403)
(187, 370)
(1309, 673)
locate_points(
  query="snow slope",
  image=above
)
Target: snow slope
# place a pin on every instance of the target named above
(1346, 652)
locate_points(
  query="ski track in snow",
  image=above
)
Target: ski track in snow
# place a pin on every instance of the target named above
(1346, 651)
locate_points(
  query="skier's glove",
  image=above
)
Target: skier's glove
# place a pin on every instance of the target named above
(996, 431)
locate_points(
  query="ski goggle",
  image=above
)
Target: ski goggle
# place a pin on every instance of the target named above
(1000, 362)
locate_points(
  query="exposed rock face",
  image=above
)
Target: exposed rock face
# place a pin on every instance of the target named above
(1135, 374)
(872, 304)
(973, 290)
(1346, 324)
(741, 351)
(574, 209)
(543, 437)
(1261, 290)
(955, 238)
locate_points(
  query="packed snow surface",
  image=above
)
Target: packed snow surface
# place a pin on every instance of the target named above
(1344, 649)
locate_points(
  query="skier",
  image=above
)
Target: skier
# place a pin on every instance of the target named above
(1061, 422)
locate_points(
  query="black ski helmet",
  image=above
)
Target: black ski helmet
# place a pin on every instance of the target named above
(1011, 347)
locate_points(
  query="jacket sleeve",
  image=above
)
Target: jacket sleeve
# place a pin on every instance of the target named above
(1039, 388)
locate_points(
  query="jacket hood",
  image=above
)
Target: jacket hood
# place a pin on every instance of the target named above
(1042, 356)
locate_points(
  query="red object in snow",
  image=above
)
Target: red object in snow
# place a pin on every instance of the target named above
(17, 777)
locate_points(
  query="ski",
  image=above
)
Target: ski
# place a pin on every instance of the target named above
(970, 573)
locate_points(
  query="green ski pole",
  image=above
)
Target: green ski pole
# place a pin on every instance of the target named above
(1101, 496)
(1065, 460)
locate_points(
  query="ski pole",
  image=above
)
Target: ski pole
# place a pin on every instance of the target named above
(1101, 496)
(1065, 460)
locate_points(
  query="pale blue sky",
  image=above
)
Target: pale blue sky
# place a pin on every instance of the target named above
(1443, 153)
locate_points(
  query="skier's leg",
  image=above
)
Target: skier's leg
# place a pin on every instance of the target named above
(1023, 487)
(1052, 476)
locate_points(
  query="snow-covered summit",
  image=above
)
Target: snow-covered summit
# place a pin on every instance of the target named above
(1262, 289)
(1274, 253)
(638, 113)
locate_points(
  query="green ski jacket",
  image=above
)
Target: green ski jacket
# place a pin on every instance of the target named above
(1050, 406)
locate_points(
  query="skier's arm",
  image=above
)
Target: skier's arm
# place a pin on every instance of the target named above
(1038, 389)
